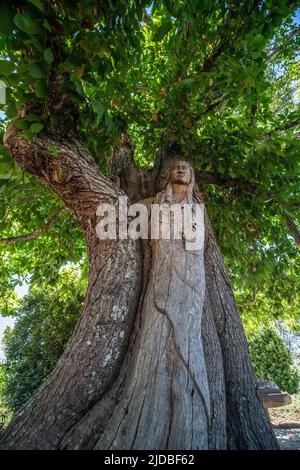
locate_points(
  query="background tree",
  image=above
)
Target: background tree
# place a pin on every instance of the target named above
(44, 322)
(213, 80)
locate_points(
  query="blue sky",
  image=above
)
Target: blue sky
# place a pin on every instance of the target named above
(8, 321)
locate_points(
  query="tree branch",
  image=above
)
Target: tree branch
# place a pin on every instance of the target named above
(36, 233)
(283, 127)
(215, 178)
(293, 230)
(253, 188)
(210, 61)
(293, 34)
(253, 113)
(288, 125)
(71, 172)
(210, 107)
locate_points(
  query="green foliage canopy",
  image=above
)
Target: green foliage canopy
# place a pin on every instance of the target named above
(218, 79)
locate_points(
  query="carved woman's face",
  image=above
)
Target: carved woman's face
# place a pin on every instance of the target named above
(180, 173)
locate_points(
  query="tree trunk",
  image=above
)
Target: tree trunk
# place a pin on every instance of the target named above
(128, 379)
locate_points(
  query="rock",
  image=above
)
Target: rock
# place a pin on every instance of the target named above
(267, 386)
(274, 400)
(271, 395)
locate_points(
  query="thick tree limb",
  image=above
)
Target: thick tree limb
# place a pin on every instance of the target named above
(36, 233)
(250, 187)
(216, 179)
(210, 61)
(283, 127)
(72, 173)
(253, 113)
(287, 126)
(95, 352)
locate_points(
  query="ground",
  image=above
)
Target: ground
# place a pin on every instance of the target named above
(288, 438)
(286, 422)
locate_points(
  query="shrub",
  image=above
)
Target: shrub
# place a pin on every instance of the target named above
(272, 360)
(45, 321)
(5, 413)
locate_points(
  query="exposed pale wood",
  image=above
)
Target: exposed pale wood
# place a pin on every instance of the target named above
(165, 403)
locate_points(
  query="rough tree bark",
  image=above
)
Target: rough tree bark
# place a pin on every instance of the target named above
(76, 407)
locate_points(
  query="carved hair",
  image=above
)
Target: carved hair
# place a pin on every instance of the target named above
(166, 194)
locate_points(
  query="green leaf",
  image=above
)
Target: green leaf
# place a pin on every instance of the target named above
(78, 84)
(163, 29)
(41, 90)
(47, 25)
(6, 67)
(48, 56)
(258, 41)
(111, 4)
(36, 127)
(53, 150)
(187, 82)
(21, 124)
(38, 4)
(4, 176)
(34, 41)
(108, 122)
(35, 70)
(28, 134)
(94, 45)
(26, 23)
(255, 54)
(98, 107)
(6, 18)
